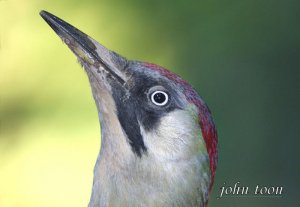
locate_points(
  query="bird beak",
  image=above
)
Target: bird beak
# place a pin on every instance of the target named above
(92, 55)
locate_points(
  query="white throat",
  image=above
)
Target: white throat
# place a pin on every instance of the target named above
(173, 172)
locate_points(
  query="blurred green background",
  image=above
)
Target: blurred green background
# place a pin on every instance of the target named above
(241, 55)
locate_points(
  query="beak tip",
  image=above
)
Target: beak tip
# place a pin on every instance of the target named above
(43, 13)
(48, 17)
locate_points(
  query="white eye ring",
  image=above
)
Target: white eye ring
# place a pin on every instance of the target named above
(154, 96)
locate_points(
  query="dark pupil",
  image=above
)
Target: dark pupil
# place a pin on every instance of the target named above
(159, 98)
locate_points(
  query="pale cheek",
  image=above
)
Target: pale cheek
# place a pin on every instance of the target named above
(177, 137)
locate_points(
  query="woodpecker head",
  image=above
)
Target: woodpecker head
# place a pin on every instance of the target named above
(155, 112)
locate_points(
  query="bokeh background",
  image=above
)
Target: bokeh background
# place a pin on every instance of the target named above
(241, 55)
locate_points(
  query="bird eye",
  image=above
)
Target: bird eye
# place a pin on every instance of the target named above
(159, 98)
